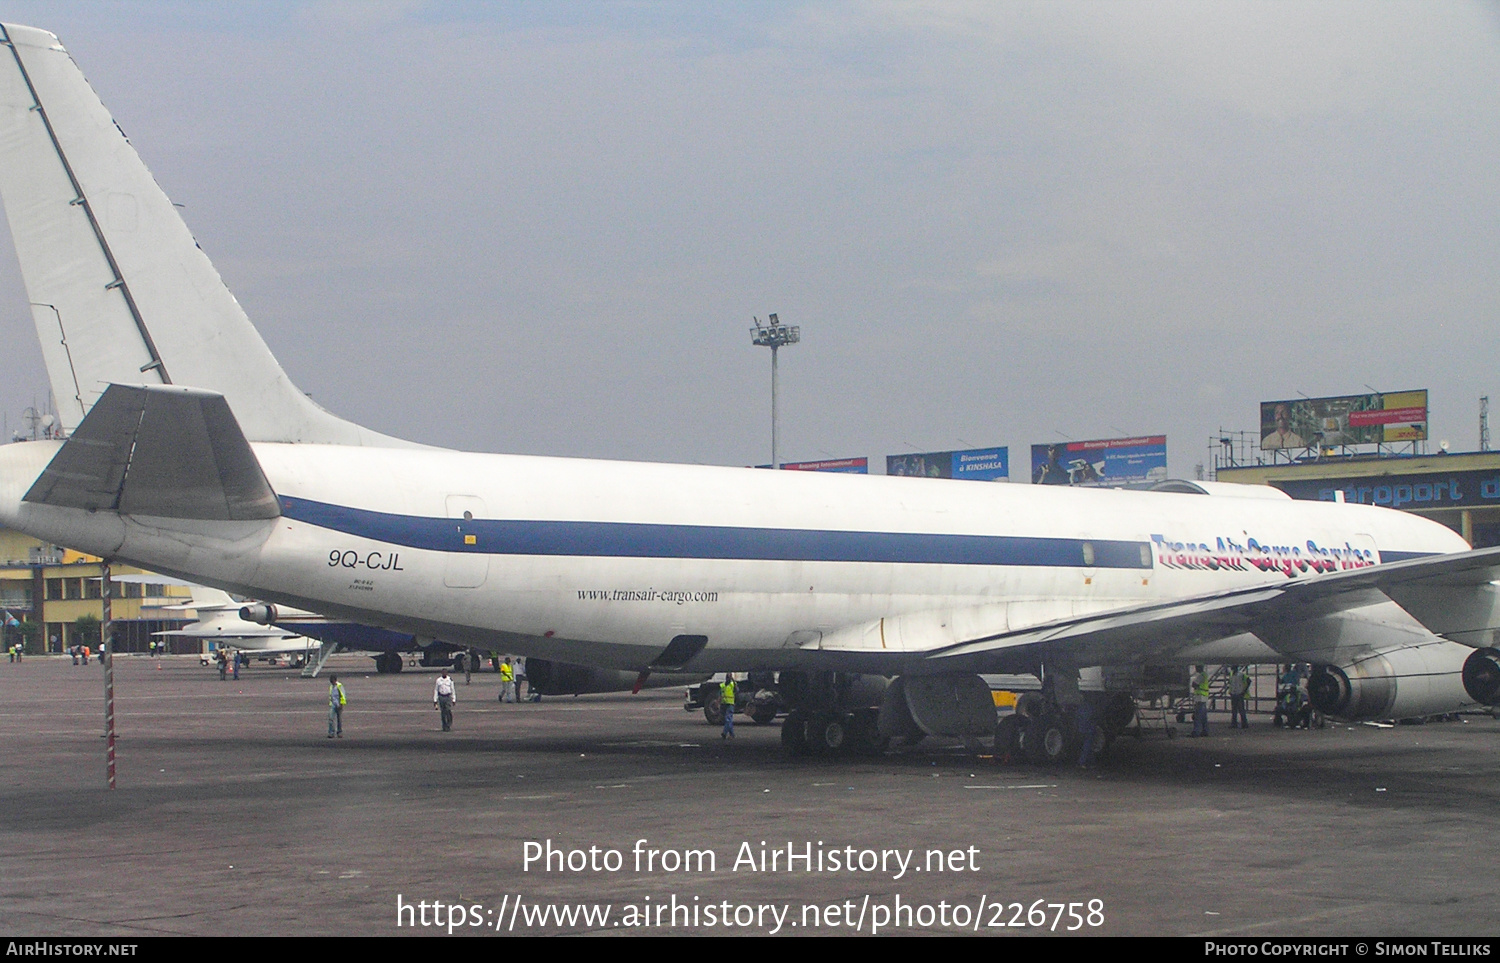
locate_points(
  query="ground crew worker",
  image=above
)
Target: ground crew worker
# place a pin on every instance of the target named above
(726, 700)
(443, 697)
(1286, 697)
(1200, 702)
(507, 681)
(1239, 688)
(336, 702)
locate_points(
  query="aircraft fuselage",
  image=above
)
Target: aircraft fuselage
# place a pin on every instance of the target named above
(606, 562)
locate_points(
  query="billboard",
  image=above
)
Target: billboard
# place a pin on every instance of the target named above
(848, 466)
(974, 464)
(1100, 464)
(1373, 419)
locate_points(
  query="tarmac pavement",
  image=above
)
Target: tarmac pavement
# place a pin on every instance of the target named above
(236, 815)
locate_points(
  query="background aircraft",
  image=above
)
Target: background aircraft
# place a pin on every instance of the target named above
(219, 622)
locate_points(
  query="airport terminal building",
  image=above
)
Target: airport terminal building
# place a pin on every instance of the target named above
(1460, 490)
(53, 588)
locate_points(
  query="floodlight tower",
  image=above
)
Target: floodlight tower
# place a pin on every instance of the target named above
(773, 335)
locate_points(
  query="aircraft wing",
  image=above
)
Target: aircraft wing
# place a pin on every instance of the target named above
(1451, 595)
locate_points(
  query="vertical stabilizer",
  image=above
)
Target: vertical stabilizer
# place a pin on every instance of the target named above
(119, 290)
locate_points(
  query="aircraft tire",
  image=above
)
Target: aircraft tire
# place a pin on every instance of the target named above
(1030, 705)
(865, 734)
(763, 715)
(1118, 713)
(1043, 740)
(1007, 737)
(828, 735)
(794, 734)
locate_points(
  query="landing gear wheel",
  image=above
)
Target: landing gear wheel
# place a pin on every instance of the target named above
(1043, 739)
(1119, 713)
(794, 734)
(827, 735)
(865, 733)
(1030, 705)
(763, 715)
(1007, 738)
(388, 662)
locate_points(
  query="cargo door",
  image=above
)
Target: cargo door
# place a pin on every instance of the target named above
(467, 560)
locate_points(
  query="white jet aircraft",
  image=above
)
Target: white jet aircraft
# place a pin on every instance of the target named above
(218, 620)
(190, 452)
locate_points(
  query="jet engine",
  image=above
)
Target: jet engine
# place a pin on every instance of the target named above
(1482, 676)
(261, 613)
(1422, 680)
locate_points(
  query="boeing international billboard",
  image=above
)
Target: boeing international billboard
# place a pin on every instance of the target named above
(973, 464)
(847, 466)
(1346, 420)
(1104, 463)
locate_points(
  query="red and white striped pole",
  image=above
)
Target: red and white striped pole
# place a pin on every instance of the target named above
(107, 648)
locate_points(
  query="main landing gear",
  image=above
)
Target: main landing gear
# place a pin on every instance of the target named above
(847, 715)
(837, 733)
(1044, 733)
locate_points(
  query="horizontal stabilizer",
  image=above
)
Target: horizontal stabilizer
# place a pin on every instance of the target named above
(158, 450)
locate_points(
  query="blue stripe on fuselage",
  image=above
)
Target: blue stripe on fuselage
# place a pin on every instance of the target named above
(639, 540)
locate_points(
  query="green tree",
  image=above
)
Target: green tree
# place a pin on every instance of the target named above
(86, 631)
(27, 634)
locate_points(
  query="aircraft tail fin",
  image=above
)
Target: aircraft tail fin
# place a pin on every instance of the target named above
(158, 450)
(120, 291)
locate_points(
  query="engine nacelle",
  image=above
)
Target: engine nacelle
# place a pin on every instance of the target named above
(1482, 676)
(952, 704)
(1424, 680)
(565, 678)
(260, 613)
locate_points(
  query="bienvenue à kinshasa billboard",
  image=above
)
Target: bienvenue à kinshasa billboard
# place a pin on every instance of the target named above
(1103, 463)
(1374, 419)
(973, 464)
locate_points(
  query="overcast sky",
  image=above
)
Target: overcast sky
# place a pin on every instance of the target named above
(545, 227)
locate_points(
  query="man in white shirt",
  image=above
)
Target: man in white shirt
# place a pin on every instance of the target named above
(443, 697)
(1283, 436)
